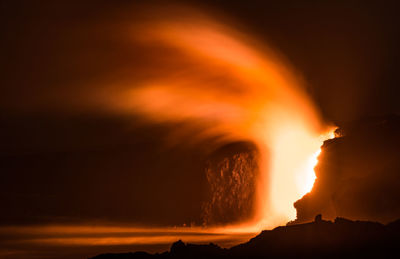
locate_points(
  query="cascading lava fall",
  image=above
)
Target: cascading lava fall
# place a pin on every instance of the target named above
(219, 82)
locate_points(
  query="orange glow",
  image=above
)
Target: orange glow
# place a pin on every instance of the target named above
(97, 235)
(225, 83)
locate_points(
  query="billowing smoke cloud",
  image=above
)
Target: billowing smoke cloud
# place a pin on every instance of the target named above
(227, 84)
(171, 67)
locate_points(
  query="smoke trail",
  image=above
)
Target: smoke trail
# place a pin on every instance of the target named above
(224, 83)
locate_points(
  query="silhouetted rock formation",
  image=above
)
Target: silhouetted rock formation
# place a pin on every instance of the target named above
(342, 238)
(231, 176)
(358, 173)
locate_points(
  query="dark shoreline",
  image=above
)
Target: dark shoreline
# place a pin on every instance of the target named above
(341, 238)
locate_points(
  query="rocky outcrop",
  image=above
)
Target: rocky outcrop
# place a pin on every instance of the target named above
(358, 173)
(231, 175)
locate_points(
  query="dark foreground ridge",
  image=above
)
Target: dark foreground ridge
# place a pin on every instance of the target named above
(342, 238)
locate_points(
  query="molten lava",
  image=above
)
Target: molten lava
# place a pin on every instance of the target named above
(224, 83)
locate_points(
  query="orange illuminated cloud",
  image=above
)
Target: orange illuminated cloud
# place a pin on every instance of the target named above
(226, 83)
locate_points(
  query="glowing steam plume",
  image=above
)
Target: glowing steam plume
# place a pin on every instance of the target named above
(207, 74)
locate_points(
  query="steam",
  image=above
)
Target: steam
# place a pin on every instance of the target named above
(225, 83)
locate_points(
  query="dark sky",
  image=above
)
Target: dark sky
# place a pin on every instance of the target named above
(61, 161)
(347, 50)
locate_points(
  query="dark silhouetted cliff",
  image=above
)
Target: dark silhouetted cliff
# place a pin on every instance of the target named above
(358, 173)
